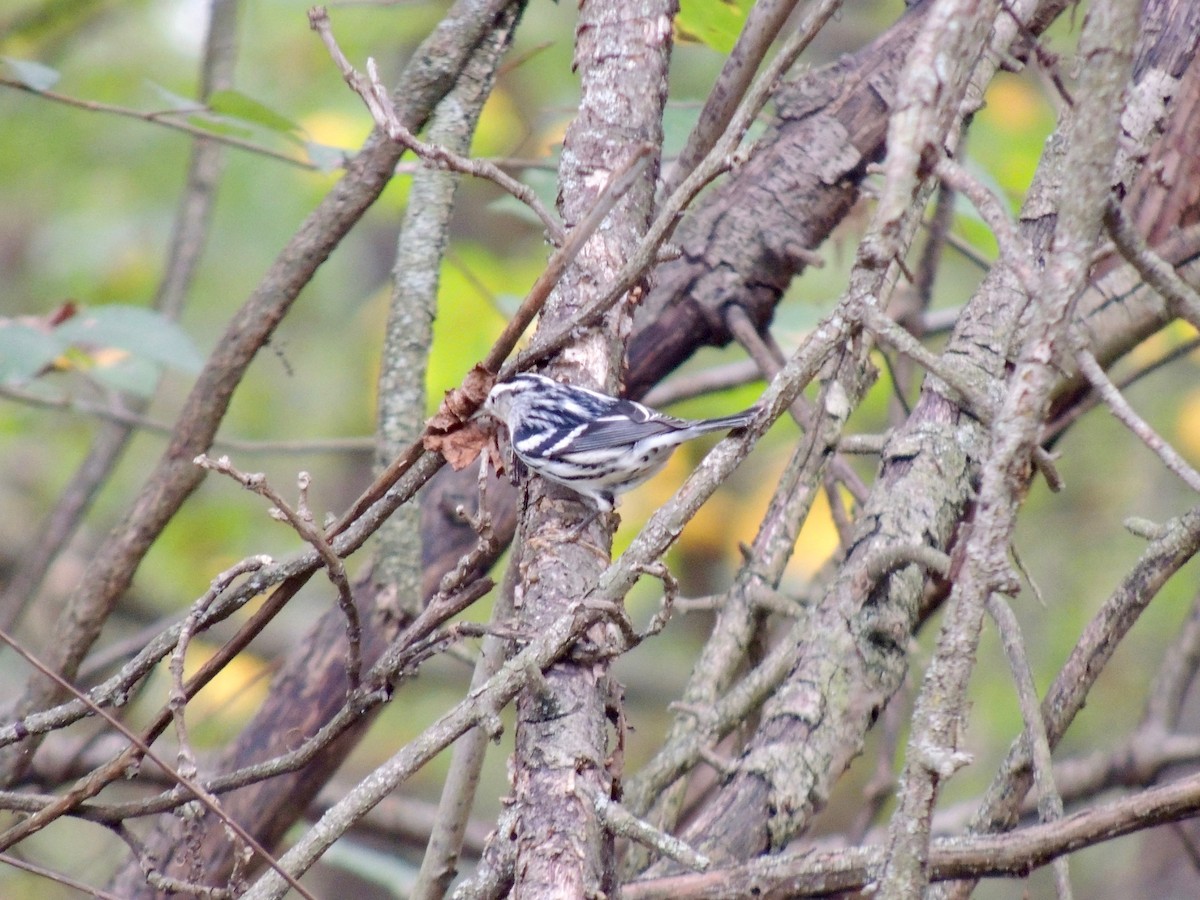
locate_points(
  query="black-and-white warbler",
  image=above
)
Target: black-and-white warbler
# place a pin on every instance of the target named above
(598, 446)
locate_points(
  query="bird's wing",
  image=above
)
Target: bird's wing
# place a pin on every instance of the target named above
(621, 428)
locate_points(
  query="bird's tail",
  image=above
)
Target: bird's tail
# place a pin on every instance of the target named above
(727, 423)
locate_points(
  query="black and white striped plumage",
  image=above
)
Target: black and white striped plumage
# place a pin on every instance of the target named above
(596, 445)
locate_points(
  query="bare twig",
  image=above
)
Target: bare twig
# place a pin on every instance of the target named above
(658, 569)
(178, 698)
(1127, 416)
(623, 823)
(1050, 804)
(383, 111)
(91, 786)
(1016, 252)
(888, 559)
(1181, 298)
(1092, 399)
(978, 404)
(769, 358)
(165, 119)
(849, 870)
(17, 863)
(1180, 661)
(123, 416)
(302, 521)
(517, 324)
(863, 444)
(763, 24)
(938, 230)
(706, 381)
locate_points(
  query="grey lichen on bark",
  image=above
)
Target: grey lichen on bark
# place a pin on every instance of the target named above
(421, 246)
(1090, 136)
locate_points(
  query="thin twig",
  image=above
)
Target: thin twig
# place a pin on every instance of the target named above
(17, 863)
(515, 163)
(178, 697)
(763, 24)
(622, 823)
(620, 181)
(979, 405)
(379, 102)
(1015, 250)
(1181, 298)
(166, 119)
(72, 798)
(123, 416)
(1180, 661)
(1127, 416)
(1050, 804)
(706, 381)
(1090, 399)
(301, 520)
(938, 231)
(769, 358)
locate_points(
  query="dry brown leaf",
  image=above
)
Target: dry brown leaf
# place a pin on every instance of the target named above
(460, 446)
(452, 432)
(461, 402)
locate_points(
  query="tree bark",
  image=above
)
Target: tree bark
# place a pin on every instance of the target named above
(564, 757)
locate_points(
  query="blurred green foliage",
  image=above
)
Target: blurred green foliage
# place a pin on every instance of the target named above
(716, 23)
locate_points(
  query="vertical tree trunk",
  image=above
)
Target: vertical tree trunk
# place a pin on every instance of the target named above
(563, 758)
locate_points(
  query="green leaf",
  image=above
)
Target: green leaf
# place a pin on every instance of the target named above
(131, 375)
(25, 351)
(144, 333)
(33, 75)
(176, 102)
(228, 129)
(716, 23)
(324, 157)
(237, 105)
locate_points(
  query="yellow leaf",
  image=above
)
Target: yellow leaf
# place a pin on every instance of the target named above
(1187, 427)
